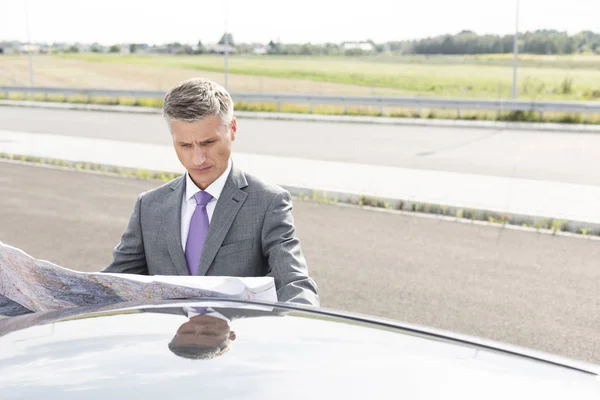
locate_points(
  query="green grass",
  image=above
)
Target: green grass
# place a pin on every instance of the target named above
(94, 167)
(440, 76)
(465, 115)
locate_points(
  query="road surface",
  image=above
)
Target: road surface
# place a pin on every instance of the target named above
(524, 288)
(561, 157)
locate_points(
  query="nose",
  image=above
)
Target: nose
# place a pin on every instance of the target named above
(198, 157)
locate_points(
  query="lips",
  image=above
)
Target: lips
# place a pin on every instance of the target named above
(200, 170)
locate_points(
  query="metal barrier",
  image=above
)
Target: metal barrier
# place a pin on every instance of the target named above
(417, 103)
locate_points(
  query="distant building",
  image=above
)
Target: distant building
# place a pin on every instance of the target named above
(161, 49)
(27, 48)
(363, 46)
(220, 48)
(59, 47)
(168, 48)
(83, 48)
(260, 50)
(143, 48)
(8, 47)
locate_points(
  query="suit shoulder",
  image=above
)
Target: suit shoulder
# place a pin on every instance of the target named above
(256, 184)
(162, 190)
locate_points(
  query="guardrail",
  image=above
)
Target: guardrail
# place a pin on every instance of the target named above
(417, 103)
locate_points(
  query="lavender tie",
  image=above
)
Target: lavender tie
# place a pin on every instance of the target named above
(197, 232)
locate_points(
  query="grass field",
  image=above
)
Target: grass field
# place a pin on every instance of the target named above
(123, 72)
(483, 76)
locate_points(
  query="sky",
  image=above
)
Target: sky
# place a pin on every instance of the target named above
(315, 21)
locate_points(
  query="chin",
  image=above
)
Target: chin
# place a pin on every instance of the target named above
(202, 180)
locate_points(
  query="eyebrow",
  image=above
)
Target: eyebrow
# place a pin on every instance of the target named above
(201, 143)
(208, 140)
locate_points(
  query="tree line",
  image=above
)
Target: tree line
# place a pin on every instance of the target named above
(465, 42)
(538, 42)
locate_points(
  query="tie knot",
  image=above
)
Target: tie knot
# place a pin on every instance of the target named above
(202, 198)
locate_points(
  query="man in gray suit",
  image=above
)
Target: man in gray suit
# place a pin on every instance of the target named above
(214, 219)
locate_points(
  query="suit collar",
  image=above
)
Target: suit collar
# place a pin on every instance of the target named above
(171, 215)
(237, 178)
(177, 183)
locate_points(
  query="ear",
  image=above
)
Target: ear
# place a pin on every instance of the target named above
(233, 128)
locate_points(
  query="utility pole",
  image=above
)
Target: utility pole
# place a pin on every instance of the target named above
(226, 47)
(516, 54)
(29, 45)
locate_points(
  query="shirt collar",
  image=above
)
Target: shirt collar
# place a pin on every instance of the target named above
(194, 311)
(214, 189)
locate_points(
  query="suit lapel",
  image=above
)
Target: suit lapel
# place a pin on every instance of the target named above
(172, 222)
(231, 200)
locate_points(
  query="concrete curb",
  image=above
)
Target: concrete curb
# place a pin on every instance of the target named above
(533, 223)
(444, 123)
(541, 223)
(79, 106)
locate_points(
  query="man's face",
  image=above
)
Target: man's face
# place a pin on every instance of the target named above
(203, 147)
(204, 331)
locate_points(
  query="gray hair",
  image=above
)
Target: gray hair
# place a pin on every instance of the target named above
(199, 352)
(196, 98)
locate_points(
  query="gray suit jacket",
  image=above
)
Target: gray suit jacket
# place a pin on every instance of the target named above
(251, 233)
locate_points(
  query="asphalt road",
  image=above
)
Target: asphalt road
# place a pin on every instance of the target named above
(563, 157)
(524, 288)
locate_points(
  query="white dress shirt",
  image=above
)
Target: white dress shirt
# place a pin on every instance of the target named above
(188, 203)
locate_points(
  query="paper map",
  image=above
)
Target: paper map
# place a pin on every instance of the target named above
(29, 285)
